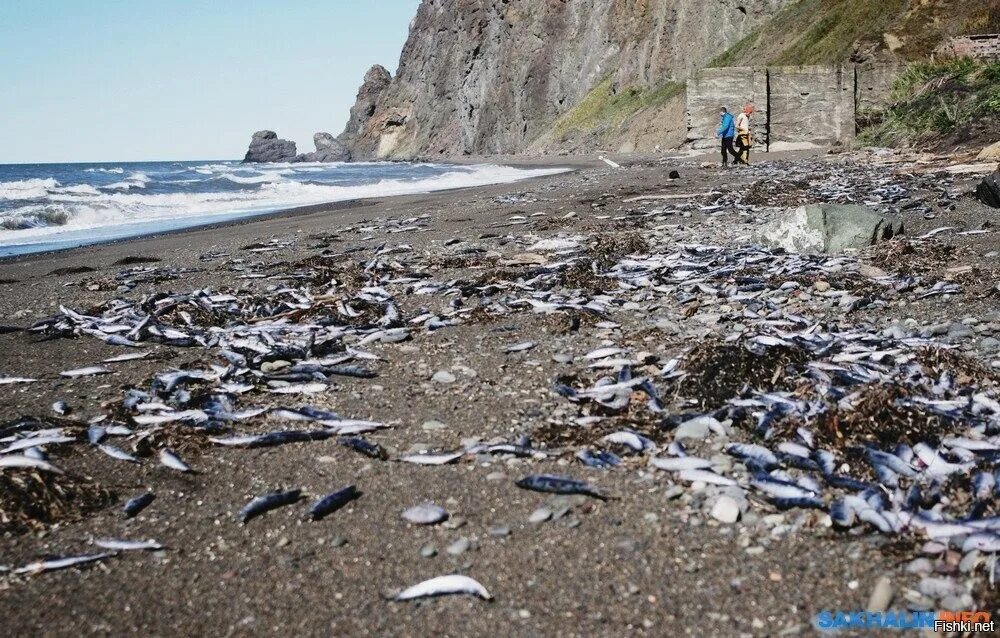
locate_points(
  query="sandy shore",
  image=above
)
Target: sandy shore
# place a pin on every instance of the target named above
(651, 561)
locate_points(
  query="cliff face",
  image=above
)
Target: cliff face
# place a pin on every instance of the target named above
(497, 76)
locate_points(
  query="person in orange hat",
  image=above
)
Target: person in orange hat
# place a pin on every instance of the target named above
(744, 135)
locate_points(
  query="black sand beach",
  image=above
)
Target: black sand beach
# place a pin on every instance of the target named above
(651, 560)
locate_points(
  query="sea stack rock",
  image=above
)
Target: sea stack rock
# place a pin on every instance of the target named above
(328, 149)
(266, 147)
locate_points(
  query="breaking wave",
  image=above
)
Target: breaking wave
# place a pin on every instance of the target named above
(44, 208)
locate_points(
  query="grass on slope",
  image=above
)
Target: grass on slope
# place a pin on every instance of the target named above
(813, 32)
(937, 100)
(602, 107)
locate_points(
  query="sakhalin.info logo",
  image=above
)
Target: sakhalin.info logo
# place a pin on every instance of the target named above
(942, 621)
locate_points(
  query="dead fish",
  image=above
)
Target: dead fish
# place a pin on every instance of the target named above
(677, 464)
(704, 476)
(333, 502)
(61, 408)
(18, 461)
(454, 584)
(519, 347)
(117, 453)
(13, 380)
(425, 514)
(300, 388)
(756, 454)
(171, 460)
(127, 546)
(630, 439)
(369, 449)
(131, 356)
(61, 563)
(137, 504)
(268, 502)
(95, 434)
(85, 372)
(431, 458)
(601, 459)
(553, 484)
(37, 441)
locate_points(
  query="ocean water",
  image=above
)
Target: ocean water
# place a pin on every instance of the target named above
(53, 206)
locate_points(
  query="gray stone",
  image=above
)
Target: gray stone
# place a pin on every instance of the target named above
(881, 596)
(266, 147)
(540, 515)
(939, 588)
(460, 546)
(443, 376)
(696, 428)
(328, 149)
(726, 510)
(828, 228)
(988, 190)
(425, 514)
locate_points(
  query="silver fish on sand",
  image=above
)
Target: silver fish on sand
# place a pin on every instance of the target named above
(451, 585)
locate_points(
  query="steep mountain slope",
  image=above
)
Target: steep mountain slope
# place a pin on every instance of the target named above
(544, 76)
(493, 76)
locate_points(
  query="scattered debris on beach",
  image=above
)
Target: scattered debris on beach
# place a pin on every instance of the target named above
(781, 393)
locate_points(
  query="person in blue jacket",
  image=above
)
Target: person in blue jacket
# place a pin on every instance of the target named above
(727, 131)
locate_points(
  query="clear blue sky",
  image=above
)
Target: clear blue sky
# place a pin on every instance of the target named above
(118, 80)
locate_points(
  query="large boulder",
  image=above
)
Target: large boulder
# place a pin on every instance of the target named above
(990, 153)
(988, 191)
(266, 147)
(328, 149)
(828, 228)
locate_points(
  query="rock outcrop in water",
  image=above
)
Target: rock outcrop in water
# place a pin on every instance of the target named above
(328, 149)
(266, 147)
(497, 76)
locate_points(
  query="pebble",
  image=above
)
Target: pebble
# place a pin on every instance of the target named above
(428, 551)
(821, 286)
(455, 523)
(460, 546)
(696, 428)
(540, 515)
(443, 376)
(939, 588)
(499, 531)
(921, 566)
(430, 426)
(726, 510)
(969, 562)
(338, 541)
(425, 514)
(881, 596)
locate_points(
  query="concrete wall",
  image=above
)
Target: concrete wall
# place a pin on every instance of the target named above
(810, 105)
(796, 106)
(731, 87)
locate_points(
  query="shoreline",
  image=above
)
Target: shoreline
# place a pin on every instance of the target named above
(322, 207)
(653, 555)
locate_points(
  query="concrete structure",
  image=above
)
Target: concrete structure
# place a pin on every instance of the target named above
(980, 47)
(796, 106)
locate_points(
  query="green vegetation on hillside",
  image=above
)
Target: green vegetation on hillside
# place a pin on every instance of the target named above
(603, 107)
(813, 32)
(932, 100)
(831, 31)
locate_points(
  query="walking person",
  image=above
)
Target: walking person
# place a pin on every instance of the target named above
(726, 131)
(744, 136)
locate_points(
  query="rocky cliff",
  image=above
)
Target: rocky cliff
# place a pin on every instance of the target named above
(516, 76)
